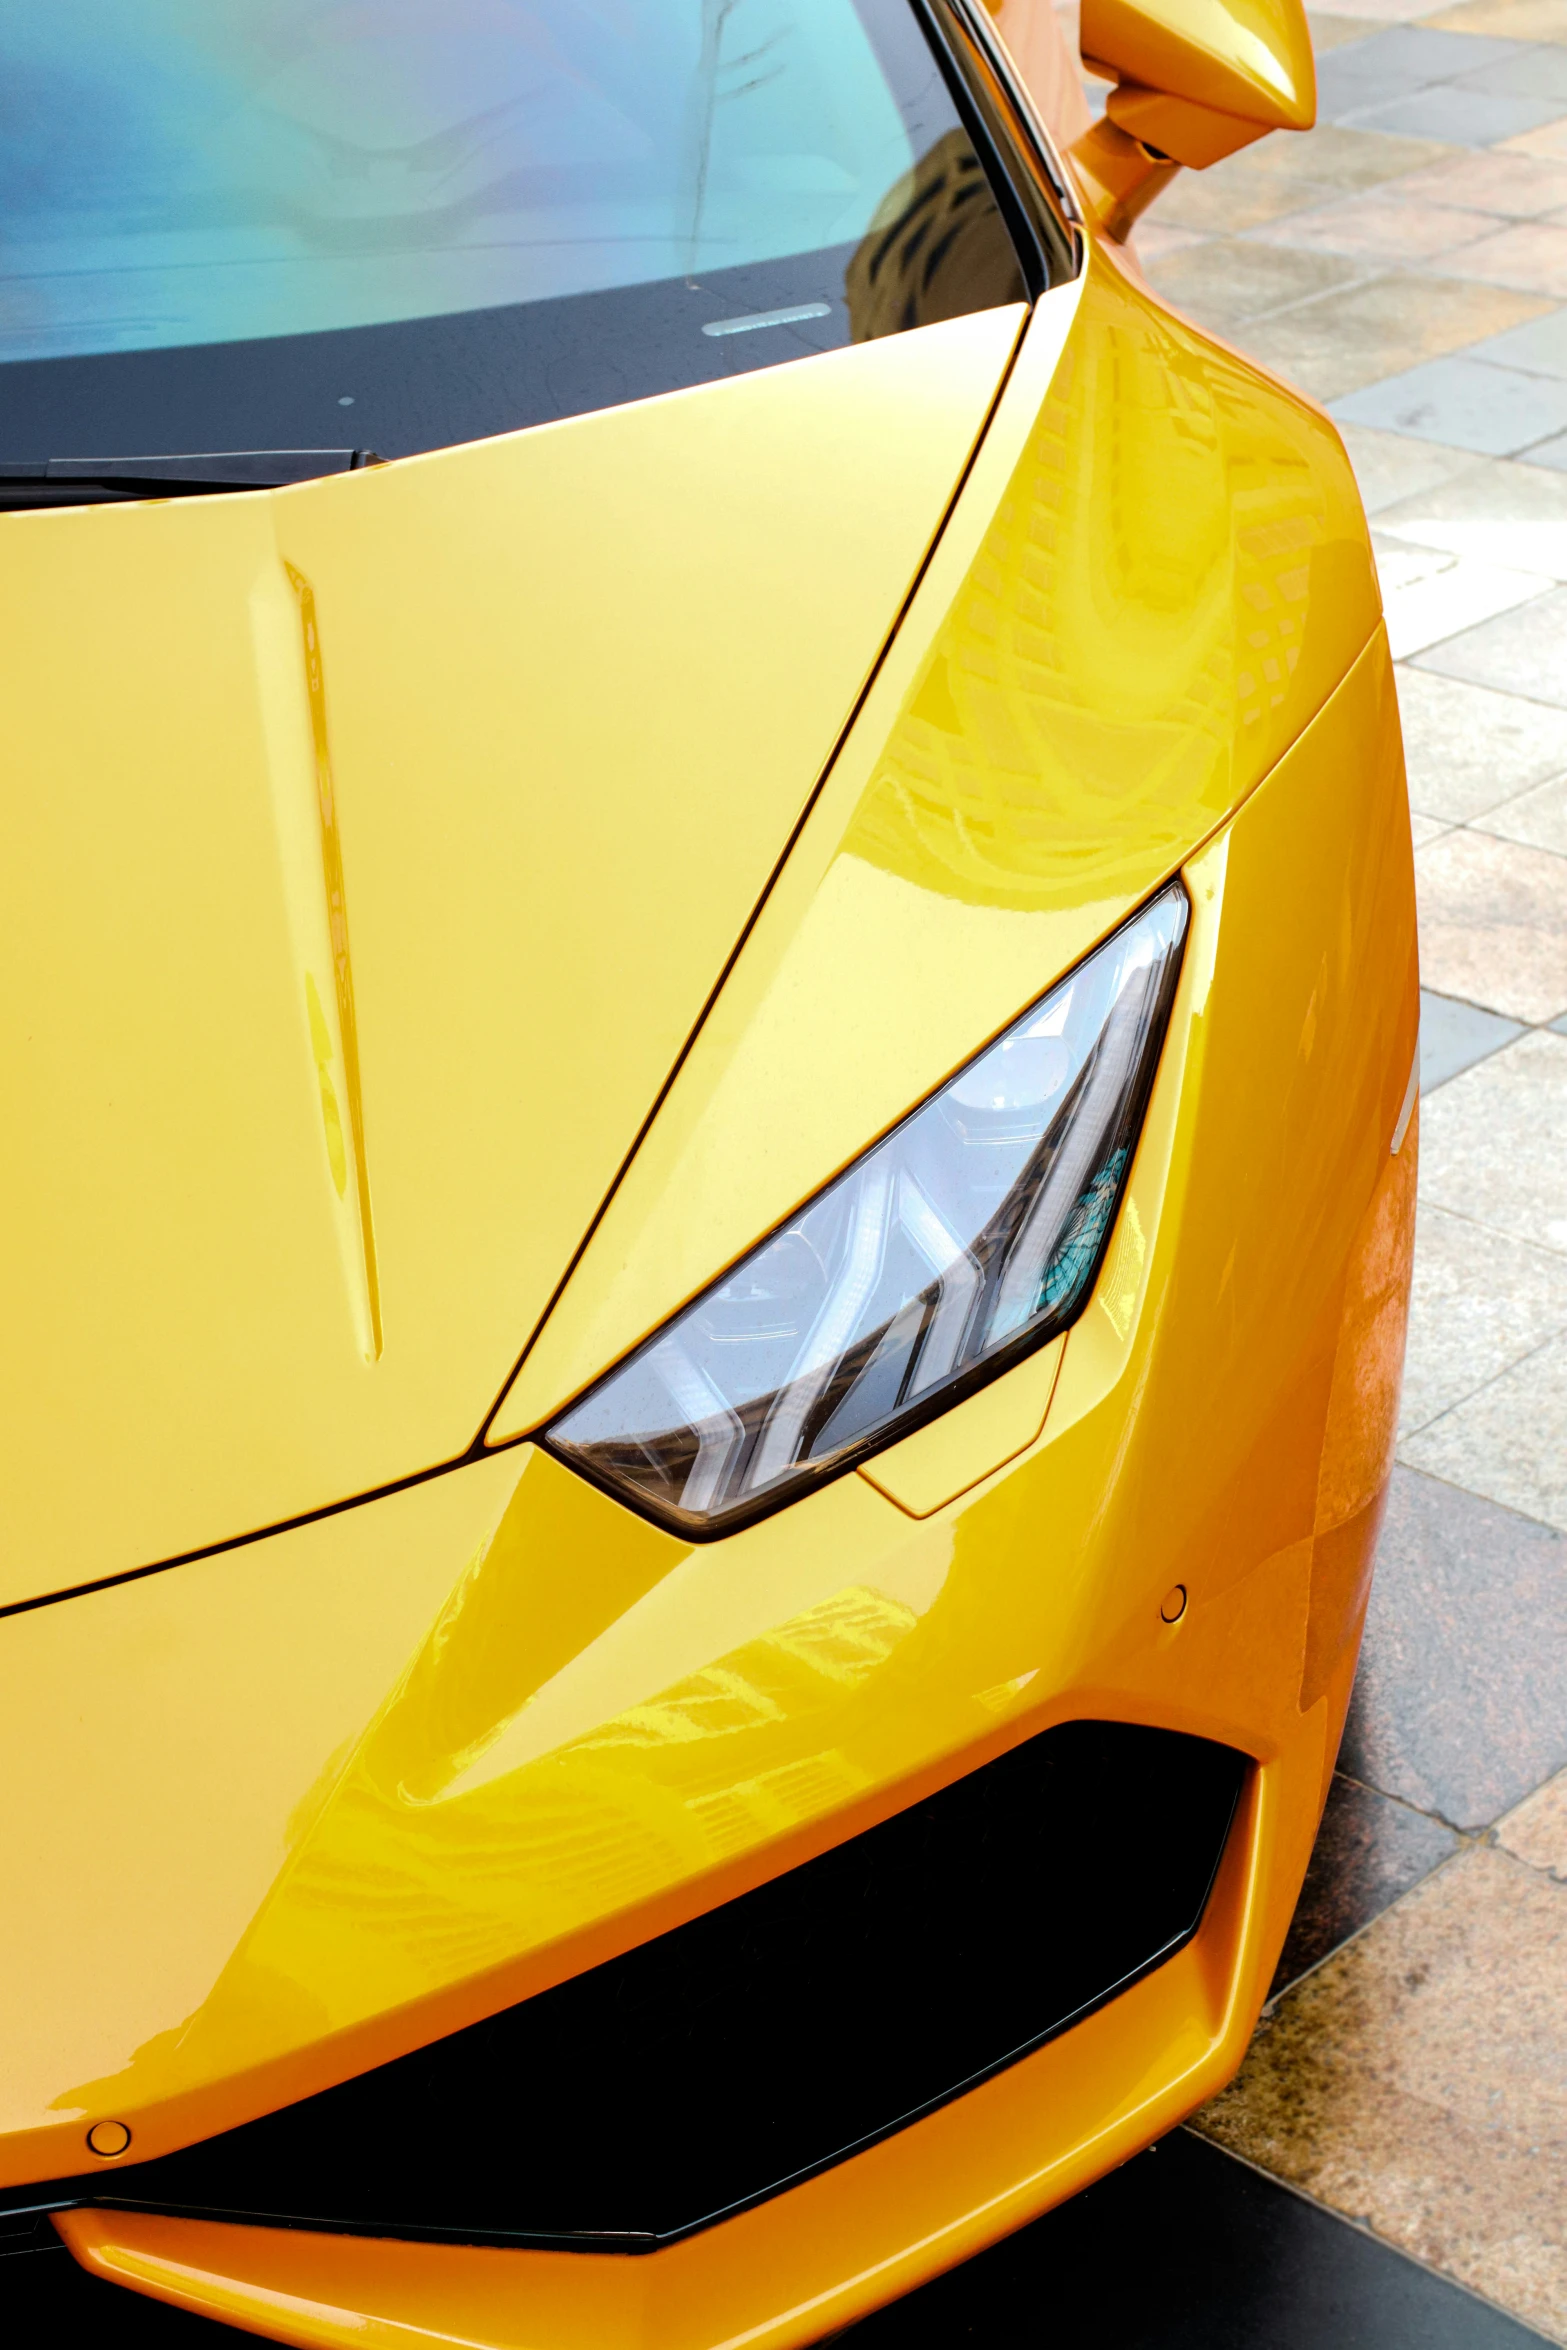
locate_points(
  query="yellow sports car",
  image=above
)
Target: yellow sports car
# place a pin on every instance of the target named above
(710, 1023)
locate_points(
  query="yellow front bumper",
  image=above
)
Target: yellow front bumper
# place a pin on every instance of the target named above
(314, 1801)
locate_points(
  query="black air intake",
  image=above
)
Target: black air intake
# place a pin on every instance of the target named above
(729, 2058)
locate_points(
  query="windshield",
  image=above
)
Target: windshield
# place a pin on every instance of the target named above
(391, 224)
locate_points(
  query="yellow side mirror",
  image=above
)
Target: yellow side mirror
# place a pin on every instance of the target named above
(1195, 80)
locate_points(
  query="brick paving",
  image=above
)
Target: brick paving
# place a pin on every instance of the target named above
(1406, 263)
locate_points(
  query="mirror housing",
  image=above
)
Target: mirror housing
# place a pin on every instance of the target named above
(1196, 80)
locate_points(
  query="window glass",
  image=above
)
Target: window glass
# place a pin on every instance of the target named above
(394, 223)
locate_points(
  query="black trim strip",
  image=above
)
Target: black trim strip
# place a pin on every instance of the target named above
(1032, 194)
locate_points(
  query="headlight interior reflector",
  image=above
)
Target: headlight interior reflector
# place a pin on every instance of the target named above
(969, 1235)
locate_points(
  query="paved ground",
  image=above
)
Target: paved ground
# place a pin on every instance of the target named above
(1407, 263)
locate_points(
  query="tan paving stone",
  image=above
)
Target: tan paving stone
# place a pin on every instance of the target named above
(1522, 652)
(1493, 1142)
(1222, 282)
(1549, 140)
(1481, 1303)
(1510, 187)
(1393, 465)
(1469, 402)
(1508, 1441)
(1289, 172)
(1418, 2082)
(1155, 239)
(1428, 595)
(1221, 206)
(1505, 20)
(1538, 347)
(1454, 1035)
(1356, 335)
(1331, 32)
(1493, 924)
(1495, 512)
(1537, 1831)
(1460, 1704)
(1469, 750)
(1375, 12)
(1381, 226)
(1528, 254)
(1333, 158)
(1538, 817)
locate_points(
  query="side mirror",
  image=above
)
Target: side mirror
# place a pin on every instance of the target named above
(1194, 81)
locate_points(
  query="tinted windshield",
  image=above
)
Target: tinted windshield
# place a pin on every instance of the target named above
(236, 224)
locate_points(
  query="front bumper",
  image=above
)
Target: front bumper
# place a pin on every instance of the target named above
(320, 1800)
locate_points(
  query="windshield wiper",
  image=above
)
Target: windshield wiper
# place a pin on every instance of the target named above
(92, 481)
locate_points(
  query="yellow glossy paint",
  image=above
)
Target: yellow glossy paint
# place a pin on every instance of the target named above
(344, 1046)
(809, 2262)
(971, 1441)
(564, 695)
(679, 1723)
(1248, 58)
(363, 1781)
(667, 1724)
(1144, 595)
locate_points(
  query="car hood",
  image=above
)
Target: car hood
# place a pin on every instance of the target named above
(374, 848)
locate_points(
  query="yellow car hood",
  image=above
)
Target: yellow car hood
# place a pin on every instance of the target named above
(373, 848)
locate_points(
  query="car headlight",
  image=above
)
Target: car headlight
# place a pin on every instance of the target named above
(968, 1236)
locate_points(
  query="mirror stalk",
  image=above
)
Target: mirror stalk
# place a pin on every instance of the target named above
(1119, 176)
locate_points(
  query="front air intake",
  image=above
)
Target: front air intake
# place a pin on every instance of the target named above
(775, 2035)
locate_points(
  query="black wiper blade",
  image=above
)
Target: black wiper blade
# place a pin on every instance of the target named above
(64, 481)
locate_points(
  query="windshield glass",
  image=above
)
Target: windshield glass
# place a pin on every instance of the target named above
(391, 224)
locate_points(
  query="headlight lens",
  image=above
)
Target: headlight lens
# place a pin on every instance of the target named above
(968, 1236)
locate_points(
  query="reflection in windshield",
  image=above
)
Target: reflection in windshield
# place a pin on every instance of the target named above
(934, 250)
(392, 225)
(174, 173)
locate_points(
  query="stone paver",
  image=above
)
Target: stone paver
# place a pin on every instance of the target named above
(1453, 1034)
(1390, 466)
(1482, 1303)
(1429, 596)
(1540, 345)
(1493, 924)
(1538, 817)
(1381, 227)
(1524, 652)
(1226, 281)
(1495, 512)
(1466, 403)
(1348, 341)
(1417, 2081)
(1460, 1709)
(1493, 1144)
(1537, 1831)
(1509, 1441)
(1509, 187)
(1413, 2070)
(1370, 1850)
(1471, 750)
